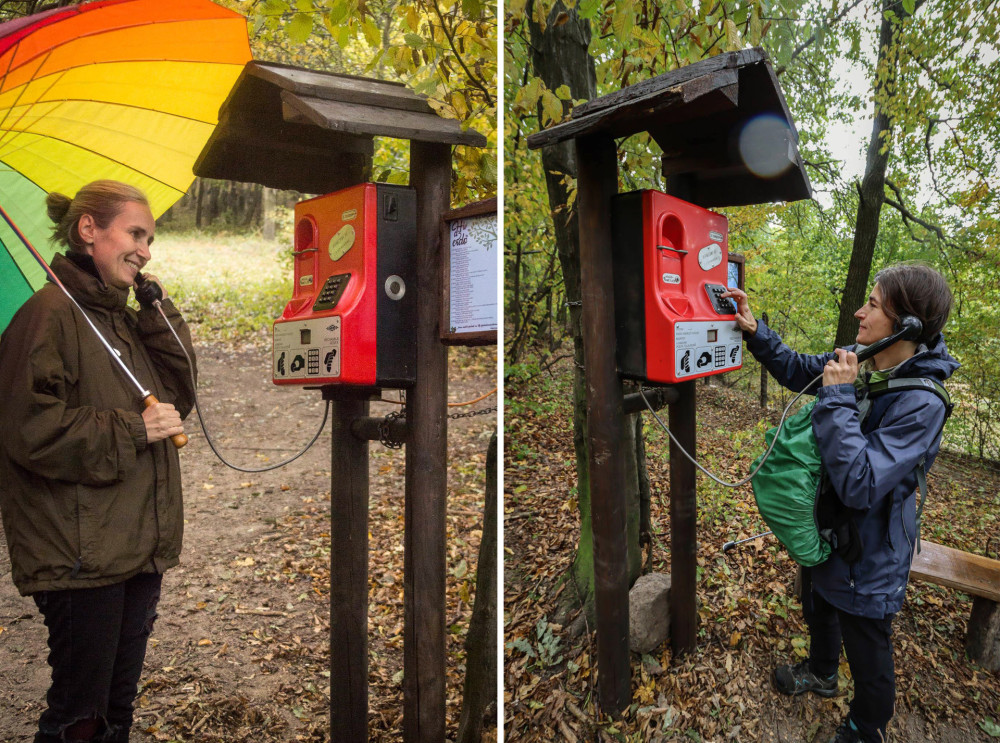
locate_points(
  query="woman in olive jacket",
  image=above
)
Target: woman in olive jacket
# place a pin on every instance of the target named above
(90, 485)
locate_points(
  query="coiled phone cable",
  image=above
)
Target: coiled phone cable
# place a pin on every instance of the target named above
(201, 417)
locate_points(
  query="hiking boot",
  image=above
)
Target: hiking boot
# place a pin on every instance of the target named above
(846, 733)
(797, 679)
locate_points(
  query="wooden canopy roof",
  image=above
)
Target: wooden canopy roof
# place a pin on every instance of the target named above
(293, 128)
(698, 115)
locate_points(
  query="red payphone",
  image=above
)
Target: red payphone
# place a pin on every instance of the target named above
(350, 319)
(670, 266)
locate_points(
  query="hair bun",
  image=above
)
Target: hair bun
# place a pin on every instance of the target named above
(57, 205)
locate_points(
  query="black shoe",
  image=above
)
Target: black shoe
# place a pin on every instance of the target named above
(797, 679)
(846, 734)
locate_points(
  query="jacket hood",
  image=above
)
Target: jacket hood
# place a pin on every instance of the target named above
(931, 360)
(84, 284)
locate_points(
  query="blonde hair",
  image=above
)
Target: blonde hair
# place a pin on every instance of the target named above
(102, 200)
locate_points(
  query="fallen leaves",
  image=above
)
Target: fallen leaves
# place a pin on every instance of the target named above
(749, 617)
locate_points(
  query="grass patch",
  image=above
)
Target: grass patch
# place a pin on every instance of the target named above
(229, 287)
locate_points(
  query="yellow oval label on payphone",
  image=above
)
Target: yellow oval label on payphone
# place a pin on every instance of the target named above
(341, 242)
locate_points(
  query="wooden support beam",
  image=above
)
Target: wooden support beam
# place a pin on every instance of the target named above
(597, 183)
(426, 465)
(348, 570)
(683, 522)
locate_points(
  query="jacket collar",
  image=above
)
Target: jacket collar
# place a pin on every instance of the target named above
(80, 277)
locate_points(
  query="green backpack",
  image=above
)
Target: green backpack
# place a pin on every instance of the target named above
(791, 484)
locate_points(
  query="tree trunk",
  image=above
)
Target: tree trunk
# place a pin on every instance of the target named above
(481, 639)
(871, 193)
(268, 207)
(560, 57)
(515, 300)
(200, 201)
(763, 377)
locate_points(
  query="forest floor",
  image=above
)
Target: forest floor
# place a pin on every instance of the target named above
(749, 619)
(241, 651)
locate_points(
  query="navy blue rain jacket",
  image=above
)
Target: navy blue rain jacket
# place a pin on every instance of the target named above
(870, 468)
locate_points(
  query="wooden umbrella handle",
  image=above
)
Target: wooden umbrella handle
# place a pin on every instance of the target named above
(179, 439)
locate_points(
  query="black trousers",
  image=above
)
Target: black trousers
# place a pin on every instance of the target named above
(97, 645)
(868, 646)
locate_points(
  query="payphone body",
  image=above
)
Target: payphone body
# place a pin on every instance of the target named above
(350, 319)
(670, 262)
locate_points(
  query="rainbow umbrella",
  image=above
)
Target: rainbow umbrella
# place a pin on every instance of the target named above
(122, 89)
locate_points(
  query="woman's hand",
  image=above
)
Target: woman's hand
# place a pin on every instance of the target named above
(149, 277)
(841, 370)
(744, 317)
(162, 421)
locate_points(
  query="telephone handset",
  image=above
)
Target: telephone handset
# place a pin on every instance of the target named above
(909, 330)
(147, 292)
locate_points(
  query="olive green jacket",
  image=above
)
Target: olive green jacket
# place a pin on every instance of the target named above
(85, 500)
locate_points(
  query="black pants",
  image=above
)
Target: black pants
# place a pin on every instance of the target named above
(97, 645)
(868, 646)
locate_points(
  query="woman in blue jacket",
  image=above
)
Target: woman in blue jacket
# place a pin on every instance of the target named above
(871, 464)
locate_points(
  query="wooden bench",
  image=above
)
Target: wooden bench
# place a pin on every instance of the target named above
(973, 574)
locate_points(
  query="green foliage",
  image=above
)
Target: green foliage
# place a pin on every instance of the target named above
(545, 651)
(442, 49)
(990, 727)
(230, 288)
(940, 205)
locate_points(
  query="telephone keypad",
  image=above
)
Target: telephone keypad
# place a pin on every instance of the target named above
(722, 306)
(331, 292)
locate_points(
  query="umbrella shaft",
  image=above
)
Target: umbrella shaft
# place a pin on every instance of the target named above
(144, 393)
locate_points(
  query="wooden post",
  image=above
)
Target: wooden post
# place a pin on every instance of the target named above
(348, 570)
(982, 642)
(597, 182)
(426, 465)
(683, 522)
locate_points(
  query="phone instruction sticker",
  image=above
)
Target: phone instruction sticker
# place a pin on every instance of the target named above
(307, 349)
(341, 242)
(706, 347)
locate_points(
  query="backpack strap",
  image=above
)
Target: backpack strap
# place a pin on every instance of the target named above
(917, 383)
(913, 383)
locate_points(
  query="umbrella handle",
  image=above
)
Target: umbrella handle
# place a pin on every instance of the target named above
(179, 439)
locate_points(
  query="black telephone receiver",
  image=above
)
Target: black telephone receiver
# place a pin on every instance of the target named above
(147, 292)
(909, 330)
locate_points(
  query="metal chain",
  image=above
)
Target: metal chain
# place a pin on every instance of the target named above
(383, 430)
(385, 437)
(473, 413)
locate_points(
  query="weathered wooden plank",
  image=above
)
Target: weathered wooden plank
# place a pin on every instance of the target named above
(280, 165)
(348, 572)
(354, 118)
(970, 573)
(683, 522)
(346, 88)
(597, 183)
(663, 107)
(674, 78)
(424, 532)
(257, 126)
(982, 643)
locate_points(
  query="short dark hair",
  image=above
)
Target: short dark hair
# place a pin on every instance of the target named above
(919, 290)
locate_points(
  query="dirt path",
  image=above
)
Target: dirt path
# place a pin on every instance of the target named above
(241, 648)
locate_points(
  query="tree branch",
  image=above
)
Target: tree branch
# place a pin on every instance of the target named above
(451, 42)
(808, 42)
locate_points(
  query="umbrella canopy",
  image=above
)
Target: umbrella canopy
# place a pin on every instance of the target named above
(121, 89)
